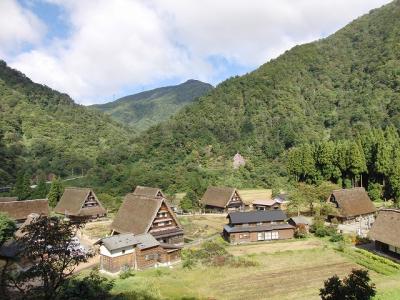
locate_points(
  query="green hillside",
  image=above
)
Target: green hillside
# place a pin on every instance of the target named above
(146, 109)
(43, 131)
(329, 89)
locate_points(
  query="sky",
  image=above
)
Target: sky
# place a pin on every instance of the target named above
(101, 50)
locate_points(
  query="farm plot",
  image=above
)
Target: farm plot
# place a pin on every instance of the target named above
(202, 226)
(281, 275)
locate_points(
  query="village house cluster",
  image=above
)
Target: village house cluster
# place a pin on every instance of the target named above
(146, 231)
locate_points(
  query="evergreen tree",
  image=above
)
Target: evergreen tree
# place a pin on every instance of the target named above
(56, 191)
(383, 161)
(22, 187)
(308, 162)
(357, 163)
(41, 191)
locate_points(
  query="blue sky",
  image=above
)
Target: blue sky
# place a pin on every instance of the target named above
(97, 50)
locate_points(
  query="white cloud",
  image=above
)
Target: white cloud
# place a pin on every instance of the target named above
(18, 26)
(120, 43)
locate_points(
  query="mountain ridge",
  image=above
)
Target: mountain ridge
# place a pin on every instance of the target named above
(148, 108)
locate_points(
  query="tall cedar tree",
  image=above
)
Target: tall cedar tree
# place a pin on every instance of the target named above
(40, 191)
(47, 241)
(22, 187)
(356, 286)
(56, 191)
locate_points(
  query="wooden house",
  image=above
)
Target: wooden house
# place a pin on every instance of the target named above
(80, 203)
(351, 205)
(135, 251)
(222, 199)
(299, 221)
(265, 204)
(20, 210)
(385, 232)
(140, 214)
(257, 225)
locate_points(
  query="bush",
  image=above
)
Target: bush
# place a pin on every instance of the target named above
(126, 273)
(337, 237)
(300, 232)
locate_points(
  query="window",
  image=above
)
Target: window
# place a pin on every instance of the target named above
(394, 249)
(275, 235)
(123, 251)
(260, 236)
(161, 224)
(244, 236)
(268, 235)
(259, 223)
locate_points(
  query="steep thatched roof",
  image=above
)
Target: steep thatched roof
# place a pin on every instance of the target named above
(386, 227)
(150, 192)
(137, 213)
(249, 195)
(8, 199)
(72, 200)
(217, 196)
(352, 202)
(19, 210)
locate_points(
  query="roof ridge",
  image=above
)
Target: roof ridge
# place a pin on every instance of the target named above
(397, 210)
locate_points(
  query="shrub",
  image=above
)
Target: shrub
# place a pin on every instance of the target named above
(126, 273)
(300, 232)
(337, 237)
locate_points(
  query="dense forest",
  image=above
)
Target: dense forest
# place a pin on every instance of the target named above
(43, 131)
(337, 90)
(332, 89)
(149, 108)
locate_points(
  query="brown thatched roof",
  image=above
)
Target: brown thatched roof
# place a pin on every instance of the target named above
(249, 195)
(148, 191)
(386, 227)
(137, 213)
(72, 200)
(19, 210)
(217, 196)
(8, 199)
(353, 202)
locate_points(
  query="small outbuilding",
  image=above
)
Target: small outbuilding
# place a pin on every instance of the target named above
(352, 205)
(80, 203)
(300, 221)
(267, 204)
(385, 232)
(135, 251)
(222, 199)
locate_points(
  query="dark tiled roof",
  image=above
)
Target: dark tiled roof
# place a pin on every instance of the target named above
(353, 202)
(118, 241)
(255, 216)
(301, 220)
(217, 196)
(386, 227)
(19, 210)
(266, 227)
(72, 201)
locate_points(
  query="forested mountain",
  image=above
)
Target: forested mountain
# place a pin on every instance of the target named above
(148, 108)
(333, 88)
(43, 131)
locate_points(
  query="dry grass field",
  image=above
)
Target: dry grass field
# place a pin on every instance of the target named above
(280, 275)
(202, 226)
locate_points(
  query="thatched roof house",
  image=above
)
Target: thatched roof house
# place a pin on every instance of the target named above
(140, 214)
(249, 195)
(351, 203)
(385, 231)
(221, 199)
(8, 199)
(19, 210)
(80, 203)
(150, 192)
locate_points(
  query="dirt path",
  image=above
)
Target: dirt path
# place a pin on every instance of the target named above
(92, 262)
(273, 247)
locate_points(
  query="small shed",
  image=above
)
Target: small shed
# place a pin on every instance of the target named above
(299, 221)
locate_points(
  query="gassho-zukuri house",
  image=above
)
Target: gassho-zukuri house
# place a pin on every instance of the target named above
(385, 232)
(257, 225)
(134, 251)
(20, 210)
(80, 203)
(150, 192)
(141, 214)
(352, 205)
(222, 199)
